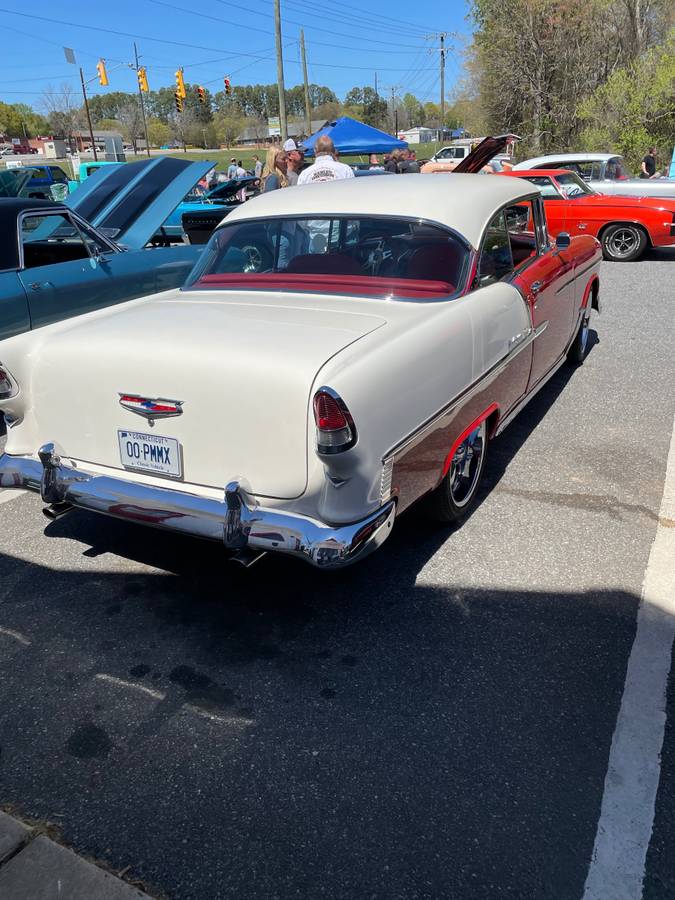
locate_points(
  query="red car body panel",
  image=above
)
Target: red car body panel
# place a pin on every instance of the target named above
(590, 213)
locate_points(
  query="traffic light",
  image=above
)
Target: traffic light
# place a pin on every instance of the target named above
(178, 100)
(180, 84)
(143, 79)
(228, 86)
(102, 74)
(201, 94)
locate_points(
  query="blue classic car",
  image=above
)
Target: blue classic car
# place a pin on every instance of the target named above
(220, 200)
(60, 260)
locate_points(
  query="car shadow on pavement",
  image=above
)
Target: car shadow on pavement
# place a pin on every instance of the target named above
(377, 733)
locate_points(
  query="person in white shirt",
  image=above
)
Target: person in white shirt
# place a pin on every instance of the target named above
(232, 169)
(326, 167)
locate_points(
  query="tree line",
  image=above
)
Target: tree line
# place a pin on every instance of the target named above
(220, 119)
(584, 74)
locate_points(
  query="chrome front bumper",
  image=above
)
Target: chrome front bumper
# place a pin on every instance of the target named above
(235, 520)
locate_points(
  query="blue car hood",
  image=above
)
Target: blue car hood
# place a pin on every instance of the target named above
(129, 201)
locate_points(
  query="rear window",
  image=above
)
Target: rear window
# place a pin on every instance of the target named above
(371, 255)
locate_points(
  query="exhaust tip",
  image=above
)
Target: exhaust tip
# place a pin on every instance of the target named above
(56, 510)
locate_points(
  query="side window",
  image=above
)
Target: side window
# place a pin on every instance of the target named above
(50, 239)
(58, 175)
(94, 242)
(495, 258)
(585, 169)
(520, 223)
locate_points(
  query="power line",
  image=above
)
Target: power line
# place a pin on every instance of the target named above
(332, 44)
(313, 27)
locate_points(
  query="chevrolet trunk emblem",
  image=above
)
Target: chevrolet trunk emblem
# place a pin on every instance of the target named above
(151, 408)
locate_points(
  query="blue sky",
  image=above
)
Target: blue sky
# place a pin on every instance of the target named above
(214, 38)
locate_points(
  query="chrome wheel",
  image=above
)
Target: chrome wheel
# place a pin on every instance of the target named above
(623, 243)
(466, 466)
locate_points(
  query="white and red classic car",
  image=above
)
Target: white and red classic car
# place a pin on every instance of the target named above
(339, 352)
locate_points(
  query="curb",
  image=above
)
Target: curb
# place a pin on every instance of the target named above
(34, 867)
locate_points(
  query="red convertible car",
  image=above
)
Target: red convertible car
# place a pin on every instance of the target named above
(625, 226)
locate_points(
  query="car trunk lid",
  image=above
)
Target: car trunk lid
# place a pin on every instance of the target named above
(242, 367)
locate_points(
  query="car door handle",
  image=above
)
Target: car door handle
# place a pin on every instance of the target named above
(536, 286)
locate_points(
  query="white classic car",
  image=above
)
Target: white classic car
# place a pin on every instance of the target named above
(340, 351)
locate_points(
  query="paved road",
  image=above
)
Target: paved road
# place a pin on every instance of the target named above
(435, 723)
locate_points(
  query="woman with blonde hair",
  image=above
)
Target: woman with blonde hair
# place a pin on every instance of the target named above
(274, 171)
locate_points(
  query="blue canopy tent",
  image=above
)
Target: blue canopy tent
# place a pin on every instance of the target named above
(351, 137)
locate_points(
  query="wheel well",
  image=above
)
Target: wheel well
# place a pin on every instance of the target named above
(637, 225)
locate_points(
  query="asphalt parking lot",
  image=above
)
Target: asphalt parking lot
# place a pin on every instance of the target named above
(435, 723)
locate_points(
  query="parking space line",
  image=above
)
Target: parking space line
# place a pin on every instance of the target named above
(22, 639)
(627, 816)
(7, 495)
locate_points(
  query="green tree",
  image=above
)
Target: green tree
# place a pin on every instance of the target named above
(19, 120)
(635, 108)
(159, 132)
(228, 128)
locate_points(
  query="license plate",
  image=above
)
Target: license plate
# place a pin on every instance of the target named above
(150, 453)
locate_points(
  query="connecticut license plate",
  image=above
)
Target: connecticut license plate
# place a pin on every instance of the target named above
(150, 453)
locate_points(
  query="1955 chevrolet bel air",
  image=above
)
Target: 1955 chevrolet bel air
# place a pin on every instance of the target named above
(339, 352)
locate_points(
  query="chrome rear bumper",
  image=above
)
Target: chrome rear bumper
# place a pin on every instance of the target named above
(235, 520)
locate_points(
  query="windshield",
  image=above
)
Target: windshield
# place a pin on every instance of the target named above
(569, 186)
(572, 185)
(372, 255)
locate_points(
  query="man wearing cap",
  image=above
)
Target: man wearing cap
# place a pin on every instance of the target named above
(232, 169)
(326, 167)
(296, 158)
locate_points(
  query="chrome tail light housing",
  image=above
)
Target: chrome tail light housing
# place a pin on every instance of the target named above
(335, 429)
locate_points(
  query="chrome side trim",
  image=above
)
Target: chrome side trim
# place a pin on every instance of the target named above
(236, 520)
(527, 338)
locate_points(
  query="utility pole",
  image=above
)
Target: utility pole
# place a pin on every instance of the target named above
(442, 50)
(394, 111)
(308, 108)
(442, 55)
(86, 106)
(280, 71)
(140, 94)
(376, 94)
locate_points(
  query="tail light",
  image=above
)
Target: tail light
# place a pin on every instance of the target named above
(8, 387)
(335, 430)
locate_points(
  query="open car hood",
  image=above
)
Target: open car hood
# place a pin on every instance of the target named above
(229, 188)
(488, 148)
(129, 201)
(12, 181)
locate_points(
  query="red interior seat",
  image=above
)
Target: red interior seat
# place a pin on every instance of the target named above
(324, 264)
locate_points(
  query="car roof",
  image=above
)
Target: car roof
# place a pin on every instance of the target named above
(566, 157)
(465, 203)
